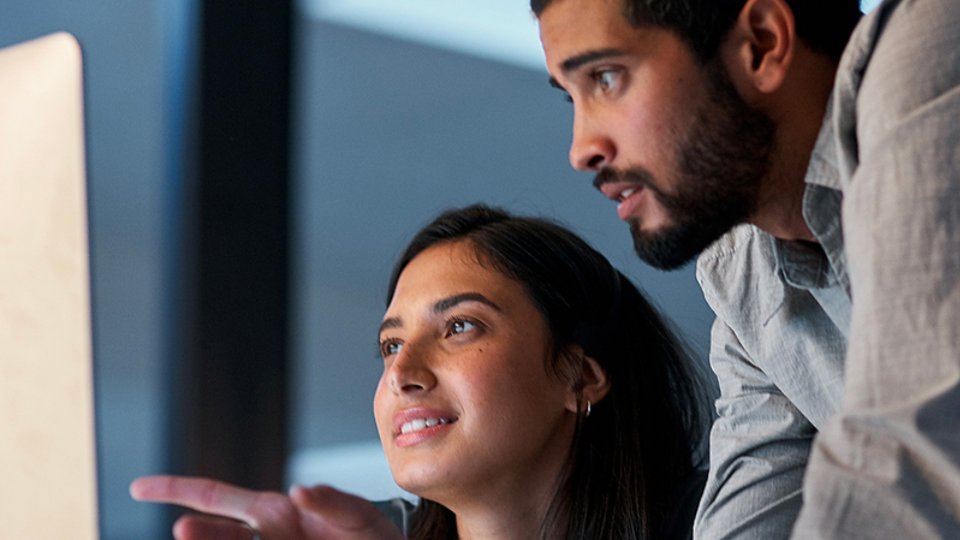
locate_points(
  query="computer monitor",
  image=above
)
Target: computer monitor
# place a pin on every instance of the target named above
(47, 448)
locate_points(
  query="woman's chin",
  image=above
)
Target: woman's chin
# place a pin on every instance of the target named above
(421, 481)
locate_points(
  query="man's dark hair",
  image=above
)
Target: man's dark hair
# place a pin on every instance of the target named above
(824, 25)
(630, 460)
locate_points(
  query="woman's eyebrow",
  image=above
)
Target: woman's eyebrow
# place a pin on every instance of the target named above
(443, 305)
(446, 303)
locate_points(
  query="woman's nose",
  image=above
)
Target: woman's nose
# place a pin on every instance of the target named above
(410, 371)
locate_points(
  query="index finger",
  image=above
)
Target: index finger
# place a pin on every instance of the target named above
(201, 494)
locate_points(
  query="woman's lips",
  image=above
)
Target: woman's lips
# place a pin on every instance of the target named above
(413, 426)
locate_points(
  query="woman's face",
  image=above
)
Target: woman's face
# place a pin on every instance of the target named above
(465, 407)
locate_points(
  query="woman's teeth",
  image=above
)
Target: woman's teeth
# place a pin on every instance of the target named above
(422, 423)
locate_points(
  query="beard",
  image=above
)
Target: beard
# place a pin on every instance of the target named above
(721, 163)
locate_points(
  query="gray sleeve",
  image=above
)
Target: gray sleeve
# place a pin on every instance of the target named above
(398, 511)
(888, 465)
(758, 448)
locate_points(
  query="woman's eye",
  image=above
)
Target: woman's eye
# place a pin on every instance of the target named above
(461, 326)
(390, 347)
(607, 79)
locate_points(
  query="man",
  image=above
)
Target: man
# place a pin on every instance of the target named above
(823, 199)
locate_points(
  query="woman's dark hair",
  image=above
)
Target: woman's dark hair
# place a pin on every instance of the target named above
(824, 25)
(642, 441)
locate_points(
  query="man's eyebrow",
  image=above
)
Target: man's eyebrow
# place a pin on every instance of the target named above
(391, 322)
(443, 305)
(575, 62)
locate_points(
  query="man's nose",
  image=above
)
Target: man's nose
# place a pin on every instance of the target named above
(591, 149)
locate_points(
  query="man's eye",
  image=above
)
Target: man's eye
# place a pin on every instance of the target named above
(390, 347)
(607, 79)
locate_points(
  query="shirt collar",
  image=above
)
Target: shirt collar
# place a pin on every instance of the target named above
(815, 266)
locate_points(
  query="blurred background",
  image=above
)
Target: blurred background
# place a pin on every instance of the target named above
(254, 169)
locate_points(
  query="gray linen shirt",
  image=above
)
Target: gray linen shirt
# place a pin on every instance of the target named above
(839, 362)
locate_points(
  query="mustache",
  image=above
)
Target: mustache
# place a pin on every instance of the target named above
(638, 176)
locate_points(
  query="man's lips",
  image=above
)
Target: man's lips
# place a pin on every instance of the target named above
(628, 194)
(618, 191)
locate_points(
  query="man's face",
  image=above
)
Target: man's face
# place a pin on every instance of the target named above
(669, 137)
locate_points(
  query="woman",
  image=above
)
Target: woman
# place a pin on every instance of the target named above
(528, 391)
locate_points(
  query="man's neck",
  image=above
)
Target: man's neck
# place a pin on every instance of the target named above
(798, 111)
(780, 208)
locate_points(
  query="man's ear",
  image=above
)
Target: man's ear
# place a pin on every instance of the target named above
(591, 380)
(760, 47)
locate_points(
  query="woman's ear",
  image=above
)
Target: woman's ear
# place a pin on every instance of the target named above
(591, 380)
(760, 47)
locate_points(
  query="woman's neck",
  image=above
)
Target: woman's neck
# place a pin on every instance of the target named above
(515, 507)
(509, 518)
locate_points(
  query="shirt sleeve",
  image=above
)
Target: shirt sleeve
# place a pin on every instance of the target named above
(759, 445)
(888, 464)
(398, 510)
